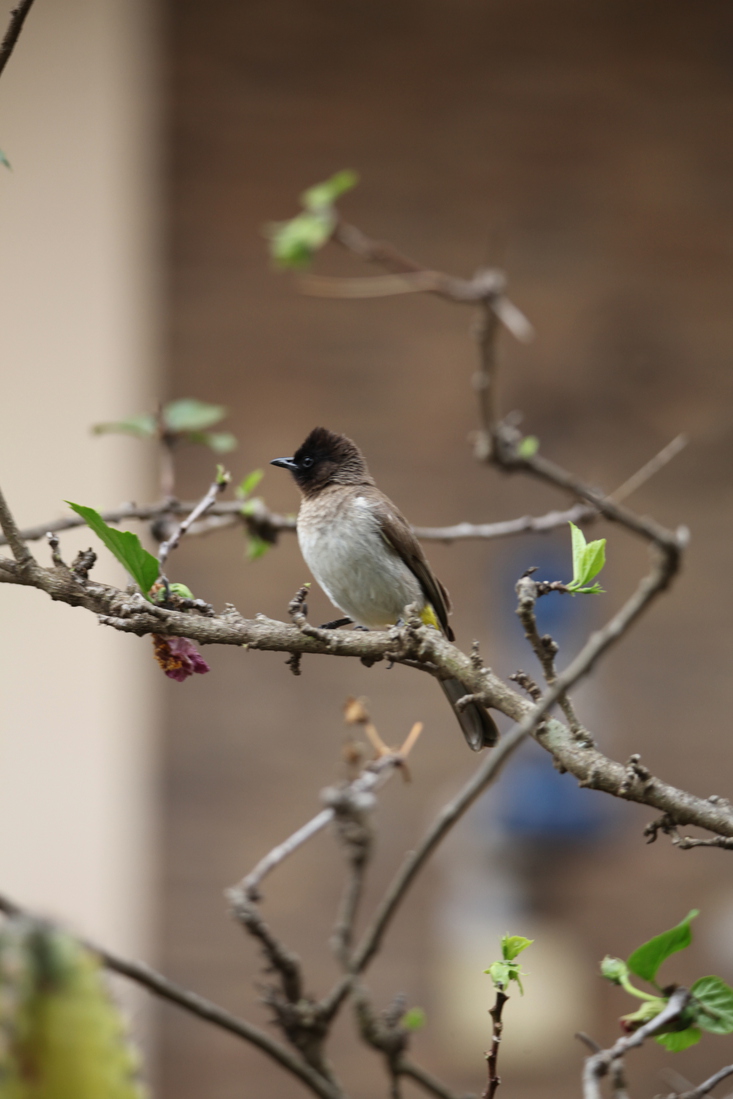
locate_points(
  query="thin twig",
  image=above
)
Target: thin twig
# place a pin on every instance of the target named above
(492, 1058)
(544, 647)
(706, 1087)
(426, 1080)
(202, 1008)
(15, 26)
(203, 506)
(665, 455)
(23, 556)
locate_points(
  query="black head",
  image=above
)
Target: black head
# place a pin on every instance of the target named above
(326, 459)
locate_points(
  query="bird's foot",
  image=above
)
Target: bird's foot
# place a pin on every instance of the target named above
(337, 622)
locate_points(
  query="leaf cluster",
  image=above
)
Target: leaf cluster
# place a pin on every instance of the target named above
(507, 970)
(711, 999)
(294, 243)
(588, 560)
(183, 421)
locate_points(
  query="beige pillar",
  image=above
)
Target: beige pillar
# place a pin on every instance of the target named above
(78, 301)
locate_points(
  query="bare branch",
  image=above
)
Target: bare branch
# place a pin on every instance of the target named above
(215, 489)
(544, 647)
(202, 1008)
(26, 562)
(492, 1058)
(12, 34)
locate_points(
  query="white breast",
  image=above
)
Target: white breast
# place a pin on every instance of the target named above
(359, 572)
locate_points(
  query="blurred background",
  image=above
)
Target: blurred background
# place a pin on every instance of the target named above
(585, 149)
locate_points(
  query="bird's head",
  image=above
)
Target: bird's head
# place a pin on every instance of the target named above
(325, 458)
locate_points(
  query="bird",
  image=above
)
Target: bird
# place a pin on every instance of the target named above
(365, 556)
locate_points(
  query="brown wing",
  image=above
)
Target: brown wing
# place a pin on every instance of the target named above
(398, 534)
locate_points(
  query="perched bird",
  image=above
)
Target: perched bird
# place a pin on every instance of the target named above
(365, 556)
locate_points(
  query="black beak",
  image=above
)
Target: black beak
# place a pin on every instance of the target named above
(286, 463)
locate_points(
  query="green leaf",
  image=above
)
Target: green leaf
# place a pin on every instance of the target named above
(500, 973)
(714, 1005)
(188, 414)
(126, 547)
(414, 1019)
(4, 160)
(588, 560)
(250, 483)
(257, 547)
(646, 959)
(677, 1040)
(513, 945)
(143, 426)
(326, 193)
(528, 447)
(293, 243)
(221, 442)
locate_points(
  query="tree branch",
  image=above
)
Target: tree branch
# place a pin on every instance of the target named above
(599, 1064)
(12, 34)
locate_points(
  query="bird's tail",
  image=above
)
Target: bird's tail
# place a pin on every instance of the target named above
(475, 720)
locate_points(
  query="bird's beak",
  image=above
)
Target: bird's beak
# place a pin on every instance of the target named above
(286, 463)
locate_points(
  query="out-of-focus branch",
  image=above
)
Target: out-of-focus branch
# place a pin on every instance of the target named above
(12, 34)
(258, 519)
(202, 1008)
(599, 1064)
(706, 1087)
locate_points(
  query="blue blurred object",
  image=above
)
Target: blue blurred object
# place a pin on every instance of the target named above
(533, 800)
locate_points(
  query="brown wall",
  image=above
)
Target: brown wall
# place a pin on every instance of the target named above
(586, 148)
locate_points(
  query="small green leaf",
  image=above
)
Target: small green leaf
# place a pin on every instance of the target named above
(143, 426)
(528, 447)
(588, 560)
(325, 194)
(414, 1019)
(125, 546)
(594, 559)
(221, 442)
(714, 1005)
(500, 973)
(677, 1040)
(250, 483)
(182, 590)
(257, 547)
(646, 959)
(293, 243)
(4, 160)
(188, 414)
(614, 969)
(513, 945)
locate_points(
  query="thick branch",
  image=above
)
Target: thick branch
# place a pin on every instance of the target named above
(130, 613)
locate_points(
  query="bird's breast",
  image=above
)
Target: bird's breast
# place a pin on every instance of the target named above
(361, 574)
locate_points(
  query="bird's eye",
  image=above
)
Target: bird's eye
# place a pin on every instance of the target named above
(306, 463)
